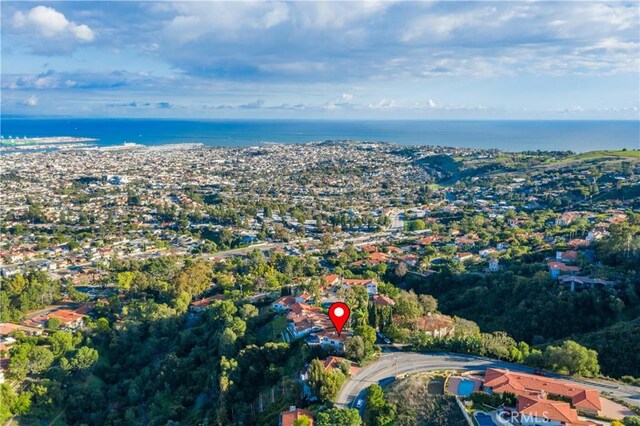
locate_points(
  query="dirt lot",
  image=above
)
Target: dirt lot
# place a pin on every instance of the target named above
(421, 401)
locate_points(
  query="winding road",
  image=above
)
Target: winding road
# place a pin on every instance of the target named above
(394, 364)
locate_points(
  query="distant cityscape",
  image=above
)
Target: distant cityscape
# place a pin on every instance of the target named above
(96, 239)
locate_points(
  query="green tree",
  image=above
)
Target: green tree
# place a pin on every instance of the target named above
(227, 345)
(572, 358)
(61, 342)
(368, 335)
(302, 421)
(194, 279)
(40, 359)
(631, 421)
(382, 412)
(428, 303)
(182, 301)
(124, 280)
(101, 326)
(53, 324)
(375, 397)
(385, 415)
(315, 373)
(407, 305)
(84, 358)
(355, 348)
(331, 384)
(416, 225)
(339, 416)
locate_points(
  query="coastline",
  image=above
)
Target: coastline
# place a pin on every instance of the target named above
(505, 135)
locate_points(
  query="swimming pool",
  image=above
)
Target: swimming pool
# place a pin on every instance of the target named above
(465, 387)
(484, 420)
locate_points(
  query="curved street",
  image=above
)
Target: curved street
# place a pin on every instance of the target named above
(394, 364)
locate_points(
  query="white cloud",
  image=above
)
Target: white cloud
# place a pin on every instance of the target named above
(51, 23)
(431, 104)
(575, 108)
(347, 97)
(330, 106)
(278, 15)
(31, 100)
(384, 104)
(81, 32)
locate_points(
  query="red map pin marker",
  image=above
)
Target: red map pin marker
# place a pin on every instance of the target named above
(339, 314)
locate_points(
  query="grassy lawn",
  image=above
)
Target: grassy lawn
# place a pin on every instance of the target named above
(599, 155)
(270, 332)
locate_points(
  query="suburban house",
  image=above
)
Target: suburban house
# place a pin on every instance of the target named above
(487, 252)
(533, 394)
(333, 280)
(303, 320)
(333, 340)
(463, 257)
(70, 320)
(535, 411)
(332, 362)
(378, 257)
(201, 305)
(6, 328)
(573, 282)
(284, 303)
(370, 285)
(568, 218)
(567, 256)
(380, 300)
(556, 268)
(288, 418)
(411, 259)
(435, 325)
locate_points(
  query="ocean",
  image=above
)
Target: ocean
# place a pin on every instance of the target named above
(507, 135)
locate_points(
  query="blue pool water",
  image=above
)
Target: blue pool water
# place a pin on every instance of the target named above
(484, 420)
(465, 387)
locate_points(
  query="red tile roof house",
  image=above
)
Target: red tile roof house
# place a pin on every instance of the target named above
(304, 320)
(382, 301)
(567, 256)
(288, 418)
(332, 362)
(378, 257)
(435, 325)
(6, 328)
(284, 303)
(556, 268)
(70, 320)
(370, 285)
(331, 340)
(534, 411)
(394, 249)
(201, 305)
(532, 392)
(333, 280)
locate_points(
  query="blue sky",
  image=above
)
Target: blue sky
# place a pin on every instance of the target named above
(333, 60)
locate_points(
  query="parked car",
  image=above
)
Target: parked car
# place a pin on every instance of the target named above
(359, 403)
